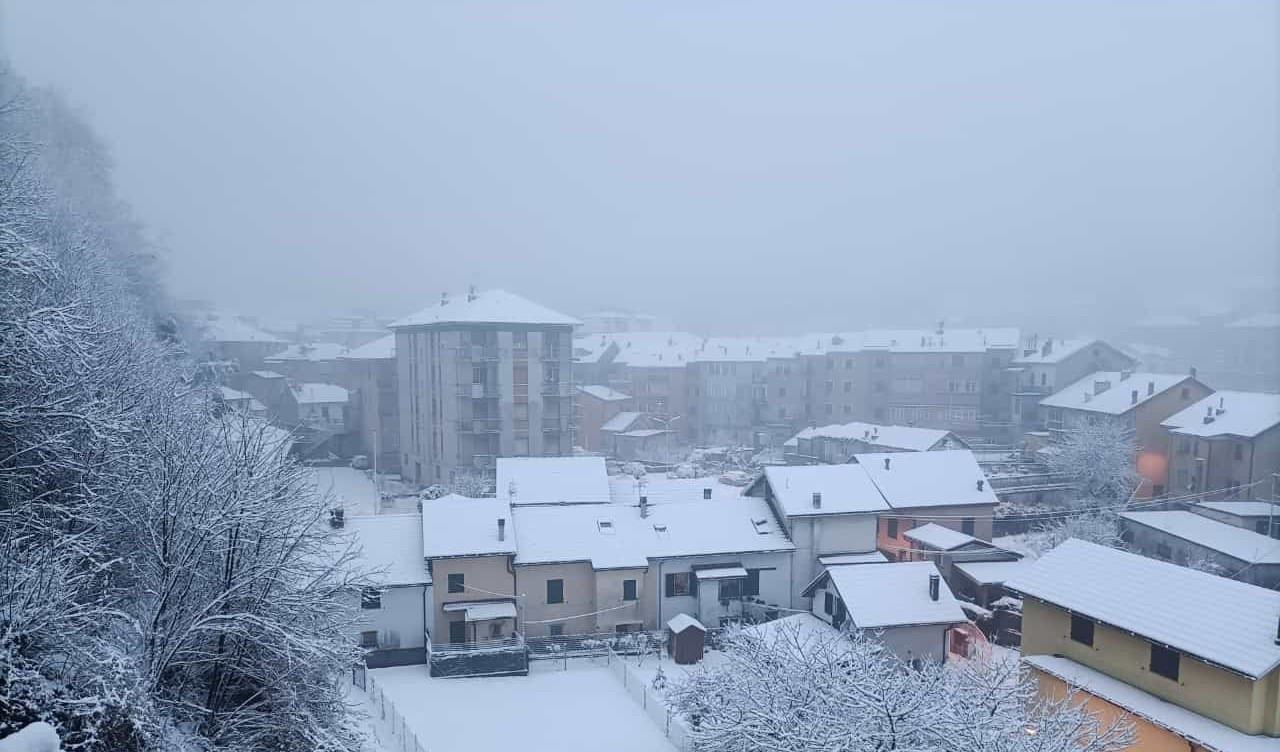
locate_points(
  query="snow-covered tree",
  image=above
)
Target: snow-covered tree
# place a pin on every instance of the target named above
(787, 690)
(1099, 525)
(1098, 456)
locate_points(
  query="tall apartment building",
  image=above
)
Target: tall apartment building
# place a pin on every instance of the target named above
(481, 376)
(1043, 367)
(374, 411)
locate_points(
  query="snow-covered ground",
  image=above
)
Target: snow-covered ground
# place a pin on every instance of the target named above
(354, 491)
(582, 707)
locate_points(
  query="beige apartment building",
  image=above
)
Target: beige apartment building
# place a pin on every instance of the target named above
(481, 376)
(1228, 441)
(1190, 658)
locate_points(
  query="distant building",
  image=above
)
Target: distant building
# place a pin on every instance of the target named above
(1191, 659)
(1042, 368)
(370, 371)
(1192, 539)
(595, 405)
(321, 406)
(394, 618)
(481, 376)
(1262, 517)
(241, 402)
(1227, 441)
(312, 361)
(236, 341)
(1135, 401)
(613, 322)
(836, 443)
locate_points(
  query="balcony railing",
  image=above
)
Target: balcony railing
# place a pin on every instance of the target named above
(477, 391)
(480, 425)
(553, 424)
(555, 389)
(478, 352)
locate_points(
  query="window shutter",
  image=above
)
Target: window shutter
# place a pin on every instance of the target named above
(670, 585)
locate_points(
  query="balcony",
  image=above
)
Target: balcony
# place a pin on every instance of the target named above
(480, 425)
(553, 424)
(555, 355)
(556, 389)
(478, 352)
(477, 391)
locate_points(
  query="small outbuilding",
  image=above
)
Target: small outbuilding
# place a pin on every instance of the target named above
(686, 638)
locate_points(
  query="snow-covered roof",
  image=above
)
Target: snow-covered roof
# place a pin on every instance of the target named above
(1168, 320)
(460, 526)
(993, 572)
(239, 427)
(310, 351)
(745, 349)
(383, 348)
(655, 349)
(870, 557)
(620, 422)
(845, 489)
(1165, 603)
(226, 328)
(1202, 731)
(601, 392)
(720, 573)
(237, 396)
(805, 628)
(1236, 542)
(315, 393)
(939, 538)
(644, 433)
(486, 307)
(681, 622)
(552, 480)
(1244, 508)
(614, 536)
(949, 341)
(894, 595)
(659, 489)
(1117, 397)
(1244, 414)
(1057, 351)
(1261, 321)
(908, 438)
(267, 374)
(391, 544)
(928, 479)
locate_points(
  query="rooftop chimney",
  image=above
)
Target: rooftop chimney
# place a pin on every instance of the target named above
(886, 463)
(1048, 347)
(706, 493)
(1101, 386)
(1278, 631)
(1151, 388)
(1208, 414)
(337, 517)
(933, 587)
(1133, 397)
(1193, 372)
(502, 529)
(817, 499)
(471, 293)
(644, 506)
(981, 483)
(444, 298)
(1222, 405)
(1124, 375)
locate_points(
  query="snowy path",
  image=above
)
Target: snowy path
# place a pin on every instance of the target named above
(550, 710)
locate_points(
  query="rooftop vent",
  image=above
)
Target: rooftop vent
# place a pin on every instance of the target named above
(981, 483)
(606, 526)
(444, 298)
(471, 293)
(502, 529)
(706, 493)
(1208, 415)
(934, 587)
(1133, 397)
(1101, 386)
(337, 517)
(1193, 372)
(644, 506)
(1124, 375)
(886, 463)
(1151, 388)
(1222, 405)
(817, 499)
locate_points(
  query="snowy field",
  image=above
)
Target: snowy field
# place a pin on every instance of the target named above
(552, 709)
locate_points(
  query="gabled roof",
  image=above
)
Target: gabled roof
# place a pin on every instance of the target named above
(1052, 351)
(552, 480)
(870, 557)
(391, 544)
(614, 536)
(459, 526)
(993, 572)
(1236, 542)
(939, 538)
(603, 393)
(659, 489)
(314, 393)
(621, 422)
(383, 348)
(226, 328)
(1117, 398)
(267, 374)
(845, 489)
(879, 596)
(1243, 414)
(309, 351)
(907, 438)
(1244, 508)
(928, 479)
(486, 307)
(680, 622)
(1165, 603)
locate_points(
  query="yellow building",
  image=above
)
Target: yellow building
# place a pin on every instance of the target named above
(1191, 658)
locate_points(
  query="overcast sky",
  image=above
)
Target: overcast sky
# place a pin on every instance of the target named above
(734, 166)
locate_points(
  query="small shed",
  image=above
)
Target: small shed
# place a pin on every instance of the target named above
(685, 639)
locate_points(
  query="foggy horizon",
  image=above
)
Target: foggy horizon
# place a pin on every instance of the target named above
(761, 172)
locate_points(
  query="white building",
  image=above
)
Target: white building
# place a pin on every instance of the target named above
(395, 612)
(321, 405)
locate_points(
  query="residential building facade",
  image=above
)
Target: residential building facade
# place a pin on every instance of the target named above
(374, 403)
(1042, 368)
(1229, 442)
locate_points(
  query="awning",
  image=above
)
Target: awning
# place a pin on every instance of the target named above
(483, 610)
(720, 573)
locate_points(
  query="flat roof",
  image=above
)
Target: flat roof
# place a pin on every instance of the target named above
(461, 526)
(552, 480)
(486, 307)
(928, 479)
(845, 489)
(1236, 542)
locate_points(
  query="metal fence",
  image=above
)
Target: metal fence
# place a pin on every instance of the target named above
(556, 647)
(403, 738)
(641, 690)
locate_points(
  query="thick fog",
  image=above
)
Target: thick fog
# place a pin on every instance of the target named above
(731, 167)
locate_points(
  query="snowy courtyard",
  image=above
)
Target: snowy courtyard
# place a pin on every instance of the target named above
(554, 708)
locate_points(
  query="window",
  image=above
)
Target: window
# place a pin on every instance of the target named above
(966, 526)
(848, 409)
(628, 590)
(1238, 451)
(520, 340)
(1163, 551)
(892, 527)
(1186, 393)
(1165, 662)
(848, 387)
(455, 583)
(829, 604)
(1081, 629)
(495, 630)
(555, 630)
(477, 374)
(370, 598)
(751, 586)
(782, 391)
(828, 386)
(879, 388)
(782, 413)
(1044, 379)
(680, 583)
(458, 631)
(730, 589)
(324, 411)
(879, 361)
(369, 639)
(555, 591)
